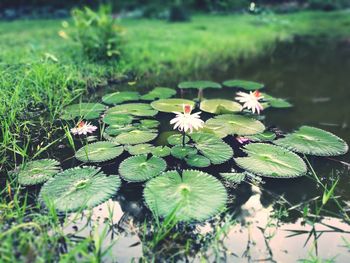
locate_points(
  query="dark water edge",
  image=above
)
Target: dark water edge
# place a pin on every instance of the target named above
(312, 73)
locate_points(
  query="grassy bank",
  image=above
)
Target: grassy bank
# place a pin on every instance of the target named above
(41, 69)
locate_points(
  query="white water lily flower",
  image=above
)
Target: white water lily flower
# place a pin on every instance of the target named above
(186, 121)
(83, 128)
(250, 101)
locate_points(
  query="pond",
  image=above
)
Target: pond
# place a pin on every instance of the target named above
(267, 219)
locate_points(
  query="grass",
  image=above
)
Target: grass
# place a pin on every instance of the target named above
(39, 69)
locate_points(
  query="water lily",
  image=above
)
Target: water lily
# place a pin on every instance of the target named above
(83, 128)
(242, 139)
(186, 121)
(250, 101)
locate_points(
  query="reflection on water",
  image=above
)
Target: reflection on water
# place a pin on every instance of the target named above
(269, 216)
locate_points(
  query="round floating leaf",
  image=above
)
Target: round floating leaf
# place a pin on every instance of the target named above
(159, 93)
(276, 102)
(140, 148)
(198, 161)
(235, 124)
(120, 96)
(87, 111)
(117, 119)
(271, 161)
(136, 109)
(220, 106)
(193, 196)
(212, 147)
(200, 84)
(114, 130)
(79, 188)
(266, 136)
(98, 152)
(243, 84)
(181, 152)
(149, 124)
(236, 178)
(161, 151)
(311, 140)
(140, 168)
(135, 137)
(171, 105)
(176, 139)
(37, 172)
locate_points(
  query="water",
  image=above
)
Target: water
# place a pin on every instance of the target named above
(313, 75)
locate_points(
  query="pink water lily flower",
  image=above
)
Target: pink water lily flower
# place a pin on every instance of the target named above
(250, 101)
(242, 139)
(186, 121)
(83, 128)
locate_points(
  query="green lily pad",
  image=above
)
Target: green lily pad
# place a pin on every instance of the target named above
(37, 172)
(136, 137)
(243, 84)
(194, 196)
(266, 136)
(170, 105)
(98, 152)
(149, 124)
(159, 93)
(176, 139)
(200, 84)
(212, 147)
(87, 111)
(235, 178)
(115, 130)
(140, 168)
(198, 161)
(181, 152)
(117, 119)
(271, 161)
(140, 148)
(79, 188)
(161, 151)
(120, 96)
(276, 102)
(311, 140)
(135, 109)
(235, 124)
(220, 106)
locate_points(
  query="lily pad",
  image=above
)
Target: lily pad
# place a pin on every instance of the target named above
(114, 130)
(159, 93)
(266, 136)
(140, 168)
(137, 149)
(311, 140)
(161, 151)
(117, 119)
(271, 161)
(235, 178)
(170, 105)
(176, 139)
(200, 84)
(220, 106)
(235, 124)
(149, 124)
(37, 172)
(120, 96)
(98, 152)
(243, 84)
(135, 109)
(181, 152)
(79, 188)
(212, 147)
(276, 102)
(194, 196)
(87, 111)
(198, 161)
(135, 137)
